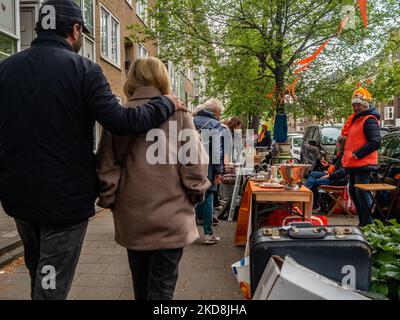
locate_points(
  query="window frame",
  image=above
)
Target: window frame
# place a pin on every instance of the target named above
(81, 5)
(139, 47)
(387, 111)
(140, 11)
(110, 19)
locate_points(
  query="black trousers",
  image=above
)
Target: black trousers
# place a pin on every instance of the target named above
(154, 273)
(51, 255)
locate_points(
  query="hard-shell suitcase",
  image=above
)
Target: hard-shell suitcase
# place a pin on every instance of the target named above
(334, 252)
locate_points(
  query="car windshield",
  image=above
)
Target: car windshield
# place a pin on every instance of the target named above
(330, 135)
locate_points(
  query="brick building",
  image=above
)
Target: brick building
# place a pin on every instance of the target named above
(108, 43)
(390, 113)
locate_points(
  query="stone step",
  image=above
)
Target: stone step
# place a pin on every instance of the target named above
(10, 256)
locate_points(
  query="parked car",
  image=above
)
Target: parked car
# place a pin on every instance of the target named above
(384, 131)
(389, 151)
(389, 155)
(318, 141)
(295, 141)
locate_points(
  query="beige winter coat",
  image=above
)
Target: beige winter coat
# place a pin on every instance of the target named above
(151, 203)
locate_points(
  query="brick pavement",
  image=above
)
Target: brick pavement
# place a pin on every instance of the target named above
(103, 272)
(8, 230)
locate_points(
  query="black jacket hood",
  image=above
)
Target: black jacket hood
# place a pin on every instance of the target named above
(368, 112)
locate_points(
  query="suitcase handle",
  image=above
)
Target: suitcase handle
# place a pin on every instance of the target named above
(307, 233)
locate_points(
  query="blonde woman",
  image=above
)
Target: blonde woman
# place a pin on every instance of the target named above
(152, 204)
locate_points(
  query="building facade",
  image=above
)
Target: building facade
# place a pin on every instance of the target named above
(390, 113)
(108, 43)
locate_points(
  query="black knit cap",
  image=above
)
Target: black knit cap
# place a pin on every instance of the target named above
(67, 12)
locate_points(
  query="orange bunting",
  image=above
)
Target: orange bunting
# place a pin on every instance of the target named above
(270, 95)
(342, 25)
(363, 10)
(315, 54)
(297, 71)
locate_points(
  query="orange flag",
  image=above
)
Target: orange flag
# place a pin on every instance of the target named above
(363, 9)
(297, 71)
(316, 53)
(342, 25)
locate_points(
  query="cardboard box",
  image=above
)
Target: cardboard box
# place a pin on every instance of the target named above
(287, 280)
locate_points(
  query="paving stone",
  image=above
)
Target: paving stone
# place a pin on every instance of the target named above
(75, 292)
(127, 294)
(93, 280)
(121, 281)
(117, 269)
(111, 251)
(14, 292)
(100, 293)
(122, 258)
(90, 258)
(16, 278)
(91, 268)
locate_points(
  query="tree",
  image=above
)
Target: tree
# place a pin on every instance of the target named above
(264, 39)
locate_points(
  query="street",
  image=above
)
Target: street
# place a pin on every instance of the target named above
(103, 272)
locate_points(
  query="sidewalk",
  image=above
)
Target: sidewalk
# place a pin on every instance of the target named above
(103, 272)
(8, 230)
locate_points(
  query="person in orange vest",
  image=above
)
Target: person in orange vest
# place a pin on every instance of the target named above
(361, 151)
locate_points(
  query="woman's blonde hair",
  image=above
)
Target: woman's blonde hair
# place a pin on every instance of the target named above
(147, 72)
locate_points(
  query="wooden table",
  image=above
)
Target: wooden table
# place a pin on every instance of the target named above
(372, 189)
(254, 195)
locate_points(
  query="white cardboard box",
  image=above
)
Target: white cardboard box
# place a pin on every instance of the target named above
(287, 280)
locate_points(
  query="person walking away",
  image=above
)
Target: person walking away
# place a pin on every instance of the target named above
(336, 177)
(235, 151)
(50, 99)
(207, 123)
(361, 151)
(152, 201)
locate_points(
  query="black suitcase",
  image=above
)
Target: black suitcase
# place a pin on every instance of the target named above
(325, 250)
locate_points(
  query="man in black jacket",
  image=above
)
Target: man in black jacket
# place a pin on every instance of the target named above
(50, 98)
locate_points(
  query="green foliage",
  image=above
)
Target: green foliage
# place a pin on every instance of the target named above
(385, 241)
(249, 46)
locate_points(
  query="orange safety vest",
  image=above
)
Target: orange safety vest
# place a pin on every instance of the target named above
(355, 140)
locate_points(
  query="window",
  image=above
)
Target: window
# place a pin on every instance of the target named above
(110, 37)
(141, 10)
(8, 46)
(88, 49)
(142, 51)
(330, 136)
(8, 21)
(129, 2)
(87, 7)
(389, 113)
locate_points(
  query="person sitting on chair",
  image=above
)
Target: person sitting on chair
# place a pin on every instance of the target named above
(336, 177)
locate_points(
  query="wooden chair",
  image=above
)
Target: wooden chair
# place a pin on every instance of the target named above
(336, 193)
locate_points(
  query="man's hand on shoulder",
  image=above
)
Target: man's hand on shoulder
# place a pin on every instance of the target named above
(179, 105)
